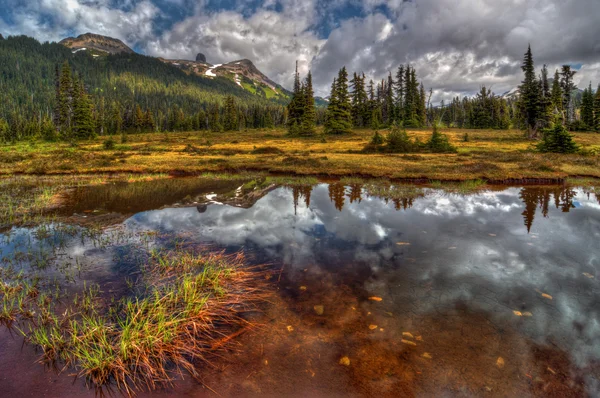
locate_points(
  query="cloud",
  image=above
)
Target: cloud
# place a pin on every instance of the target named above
(272, 40)
(459, 45)
(455, 45)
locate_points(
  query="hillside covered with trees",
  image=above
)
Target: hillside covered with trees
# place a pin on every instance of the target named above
(120, 88)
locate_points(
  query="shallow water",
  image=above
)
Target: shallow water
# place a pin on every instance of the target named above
(491, 294)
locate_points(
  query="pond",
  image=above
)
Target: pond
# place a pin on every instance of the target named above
(402, 291)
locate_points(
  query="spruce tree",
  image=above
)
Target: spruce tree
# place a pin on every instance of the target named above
(65, 102)
(230, 116)
(139, 121)
(567, 87)
(530, 96)
(558, 140)
(296, 106)
(83, 120)
(339, 116)
(400, 94)
(557, 95)
(587, 108)
(309, 115)
(597, 110)
(545, 100)
(390, 104)
(421, 107)
(149, 121)
(359, 101)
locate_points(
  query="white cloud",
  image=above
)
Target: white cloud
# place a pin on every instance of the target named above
(455, 45)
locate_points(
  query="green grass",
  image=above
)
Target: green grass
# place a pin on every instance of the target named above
(186, 305)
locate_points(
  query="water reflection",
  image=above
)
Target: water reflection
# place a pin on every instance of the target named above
(462, 281)
(461, 270)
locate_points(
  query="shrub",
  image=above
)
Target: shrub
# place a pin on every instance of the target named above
(398, 141)
(438, 143)
(377, 139)
(109, 144)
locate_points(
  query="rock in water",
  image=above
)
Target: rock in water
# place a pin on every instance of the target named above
(200, 58)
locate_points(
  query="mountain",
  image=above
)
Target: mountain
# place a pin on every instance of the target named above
(94, 42)
(128, 91)
(577, 93)
(242, 72)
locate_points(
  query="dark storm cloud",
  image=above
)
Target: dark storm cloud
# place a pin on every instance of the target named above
(455, 45)
(459, 45)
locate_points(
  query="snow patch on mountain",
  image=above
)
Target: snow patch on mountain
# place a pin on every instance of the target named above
(210, 72)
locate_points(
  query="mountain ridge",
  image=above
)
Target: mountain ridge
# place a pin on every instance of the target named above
(242, 72)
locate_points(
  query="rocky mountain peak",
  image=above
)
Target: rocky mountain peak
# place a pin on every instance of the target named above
(201, 58)
(97, 42)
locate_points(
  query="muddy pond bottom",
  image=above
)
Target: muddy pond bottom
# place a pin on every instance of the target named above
(435, 294)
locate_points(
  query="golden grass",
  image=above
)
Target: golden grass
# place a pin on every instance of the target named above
(489, 155)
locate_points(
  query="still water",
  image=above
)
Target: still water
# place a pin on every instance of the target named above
(494, 293)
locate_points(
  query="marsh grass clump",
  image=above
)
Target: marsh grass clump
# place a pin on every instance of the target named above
(109, 144)
(292, 181)
(393, 192)
(267, 150)
(463, 188)
(186, 306)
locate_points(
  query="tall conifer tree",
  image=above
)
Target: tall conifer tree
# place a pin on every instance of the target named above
(530, 96)
(597, 110)
(309, 115)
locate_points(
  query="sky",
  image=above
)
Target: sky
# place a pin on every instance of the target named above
(456, 46)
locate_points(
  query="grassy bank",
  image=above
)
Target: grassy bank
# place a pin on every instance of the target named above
(186, 306)
(488, 154)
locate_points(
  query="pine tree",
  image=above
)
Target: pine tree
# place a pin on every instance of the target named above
(421, 107)
(557, 95)
(83, 120)
(567, 87)
(139, 119)
(400, 94)
(545, 100)
(65, 102)
(149, 121)
(587, 108)
(359, 101)
(296, 106)
(390, 104)
(558, 140)
(339, 116)
(230, 116)
(597, 110)
(530, 96)
(309, 115)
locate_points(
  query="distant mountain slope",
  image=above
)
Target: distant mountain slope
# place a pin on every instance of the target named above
(242, 72)
(514, 93)
(93, 41)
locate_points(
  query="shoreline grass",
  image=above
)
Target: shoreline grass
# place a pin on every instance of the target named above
(188, 306)
(491, 155)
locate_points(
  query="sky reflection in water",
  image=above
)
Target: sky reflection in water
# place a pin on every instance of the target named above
(455, 268)
(472, 249)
